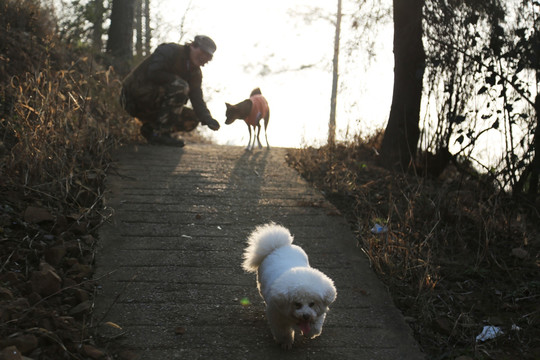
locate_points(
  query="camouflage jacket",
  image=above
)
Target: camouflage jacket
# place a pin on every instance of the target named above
(148, 81)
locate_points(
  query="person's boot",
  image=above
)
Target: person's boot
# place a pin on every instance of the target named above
(146, 130)
(165, 139)
(155, 138)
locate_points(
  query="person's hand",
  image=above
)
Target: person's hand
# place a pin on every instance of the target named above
(212, 124)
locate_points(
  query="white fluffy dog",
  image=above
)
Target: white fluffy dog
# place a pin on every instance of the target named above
(297, 296)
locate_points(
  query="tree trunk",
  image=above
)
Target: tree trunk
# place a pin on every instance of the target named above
(120, 42)
(148, 28)
(402, 131)
(530, 176)
(97, 25)
(333, 98)
(138, 29)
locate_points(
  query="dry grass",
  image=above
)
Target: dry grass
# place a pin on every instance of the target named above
(61, 116)
(59, 122)
(457, 255)
(63, 131)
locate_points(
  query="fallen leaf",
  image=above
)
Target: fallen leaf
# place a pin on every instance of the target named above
(520, 253)
(111, 324)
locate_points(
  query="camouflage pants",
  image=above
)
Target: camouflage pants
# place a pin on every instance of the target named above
(161, 109)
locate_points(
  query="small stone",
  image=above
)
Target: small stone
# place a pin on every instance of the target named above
(80, 271)
(46, 281)
(25, 343)
(5, 294)
(11, 353)
(79, 227)
(71, 261)
(81, 295)
(34, 298)
(60, 225)
(68, 282)
(520, 253)
(81, 308)
(93, 352)
(55, 254)
(36, 215)
(88, 239)
(443, 325)
(11, 278)
(128, 355)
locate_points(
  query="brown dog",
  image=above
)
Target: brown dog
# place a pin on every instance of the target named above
(251, 110)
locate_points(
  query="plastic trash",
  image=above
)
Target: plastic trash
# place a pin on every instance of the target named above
(379, 229)
(488, 333)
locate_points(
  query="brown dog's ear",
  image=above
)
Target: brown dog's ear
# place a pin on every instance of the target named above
(228, 105)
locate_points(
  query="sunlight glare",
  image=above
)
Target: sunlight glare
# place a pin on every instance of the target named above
(289, 59)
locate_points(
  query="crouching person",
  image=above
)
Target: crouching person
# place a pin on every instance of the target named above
(157, 90)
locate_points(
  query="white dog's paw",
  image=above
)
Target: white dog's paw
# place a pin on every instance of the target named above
(285, 340)
(286, 344)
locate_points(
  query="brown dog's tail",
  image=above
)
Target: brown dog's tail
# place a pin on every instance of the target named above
(255, 91)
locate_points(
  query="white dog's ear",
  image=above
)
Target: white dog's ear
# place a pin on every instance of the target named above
(329, 295)
(281, 298)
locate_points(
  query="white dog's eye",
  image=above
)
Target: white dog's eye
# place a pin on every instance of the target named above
(311, 304)
(297, 305)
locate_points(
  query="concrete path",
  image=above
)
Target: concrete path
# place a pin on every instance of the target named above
(170, 260)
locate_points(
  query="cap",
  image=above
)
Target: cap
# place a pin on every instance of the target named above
(205, 43)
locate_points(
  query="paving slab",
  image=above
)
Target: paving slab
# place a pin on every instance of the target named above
(171, 285)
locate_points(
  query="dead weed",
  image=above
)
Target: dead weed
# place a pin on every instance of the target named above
(456, 254)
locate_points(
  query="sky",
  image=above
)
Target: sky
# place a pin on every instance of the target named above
(270, 45)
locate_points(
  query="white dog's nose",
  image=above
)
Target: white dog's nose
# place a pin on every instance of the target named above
(306, 317)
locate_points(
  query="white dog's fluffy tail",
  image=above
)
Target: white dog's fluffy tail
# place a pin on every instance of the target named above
(262, 241)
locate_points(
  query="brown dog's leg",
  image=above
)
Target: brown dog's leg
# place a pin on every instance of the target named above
(258, 133)
(249, 142)
(266, 121)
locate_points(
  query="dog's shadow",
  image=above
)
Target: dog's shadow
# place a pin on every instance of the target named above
(248, 175)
